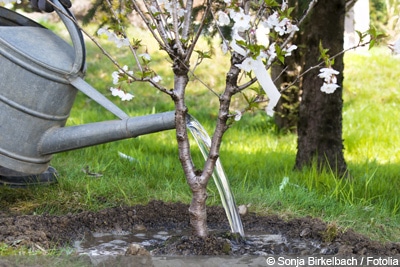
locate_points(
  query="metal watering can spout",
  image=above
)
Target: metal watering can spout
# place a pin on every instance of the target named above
(73, 137)
(41, 74)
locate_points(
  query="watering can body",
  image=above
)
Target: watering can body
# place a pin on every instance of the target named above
(39, 79)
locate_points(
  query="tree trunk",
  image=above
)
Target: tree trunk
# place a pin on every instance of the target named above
(198, 210)
(320, 114)
(286, 76)
(287, 109)
(198, 186)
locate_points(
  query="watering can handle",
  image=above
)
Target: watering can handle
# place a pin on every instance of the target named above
(79, 63)
(76, 36)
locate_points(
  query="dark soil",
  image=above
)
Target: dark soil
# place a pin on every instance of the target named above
(48, 231)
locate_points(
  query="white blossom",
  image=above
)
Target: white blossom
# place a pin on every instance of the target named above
(329, 75)
(329, 88)
(210, 28)
(145, 56)
(291, 28)
(272, 20)
(223, 18)
(282, 27)
(115, 91)
(127, 97)
(284, 5)
(181, 12)
(103, 31)
(121, 94)
(120, 42)
(224, 47)
(153, 9)
(156, 78)
(238, 115)
(271, 52)
(168, 6)
(242, 20)
(117, 74)
(247, 65)
(288, 51)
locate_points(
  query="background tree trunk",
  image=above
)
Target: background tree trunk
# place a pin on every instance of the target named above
(287, 110)
(320, 114)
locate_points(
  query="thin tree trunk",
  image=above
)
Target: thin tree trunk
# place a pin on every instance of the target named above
(198, 186)
(320, 114)
(198, 210)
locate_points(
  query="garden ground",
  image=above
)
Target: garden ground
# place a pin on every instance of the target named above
(50, 231)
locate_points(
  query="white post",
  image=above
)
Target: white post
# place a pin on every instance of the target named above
(357, 19)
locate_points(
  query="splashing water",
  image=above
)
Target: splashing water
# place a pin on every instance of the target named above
(203, 140)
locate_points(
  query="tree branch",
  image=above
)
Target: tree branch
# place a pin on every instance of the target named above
(199, 31)
(175, 25)
(163, 42)
(187, 19)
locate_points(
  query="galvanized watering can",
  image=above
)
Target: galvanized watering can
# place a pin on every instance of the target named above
(40, 75)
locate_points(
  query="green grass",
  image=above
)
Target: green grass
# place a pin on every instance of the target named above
(255, 156)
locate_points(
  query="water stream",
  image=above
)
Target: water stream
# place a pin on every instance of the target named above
(203, 140)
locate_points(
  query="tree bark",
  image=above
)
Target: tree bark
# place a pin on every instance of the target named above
(198, 210)
(320, 114)
(198, 186)
(287, 109)
(286, 76)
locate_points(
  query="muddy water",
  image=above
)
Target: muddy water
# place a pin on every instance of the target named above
(101, 247)
(116, 243)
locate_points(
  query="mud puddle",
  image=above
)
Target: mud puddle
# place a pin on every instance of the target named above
(117, 243)
(256, 243)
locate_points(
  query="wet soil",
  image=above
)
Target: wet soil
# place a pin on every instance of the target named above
(49, 231)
